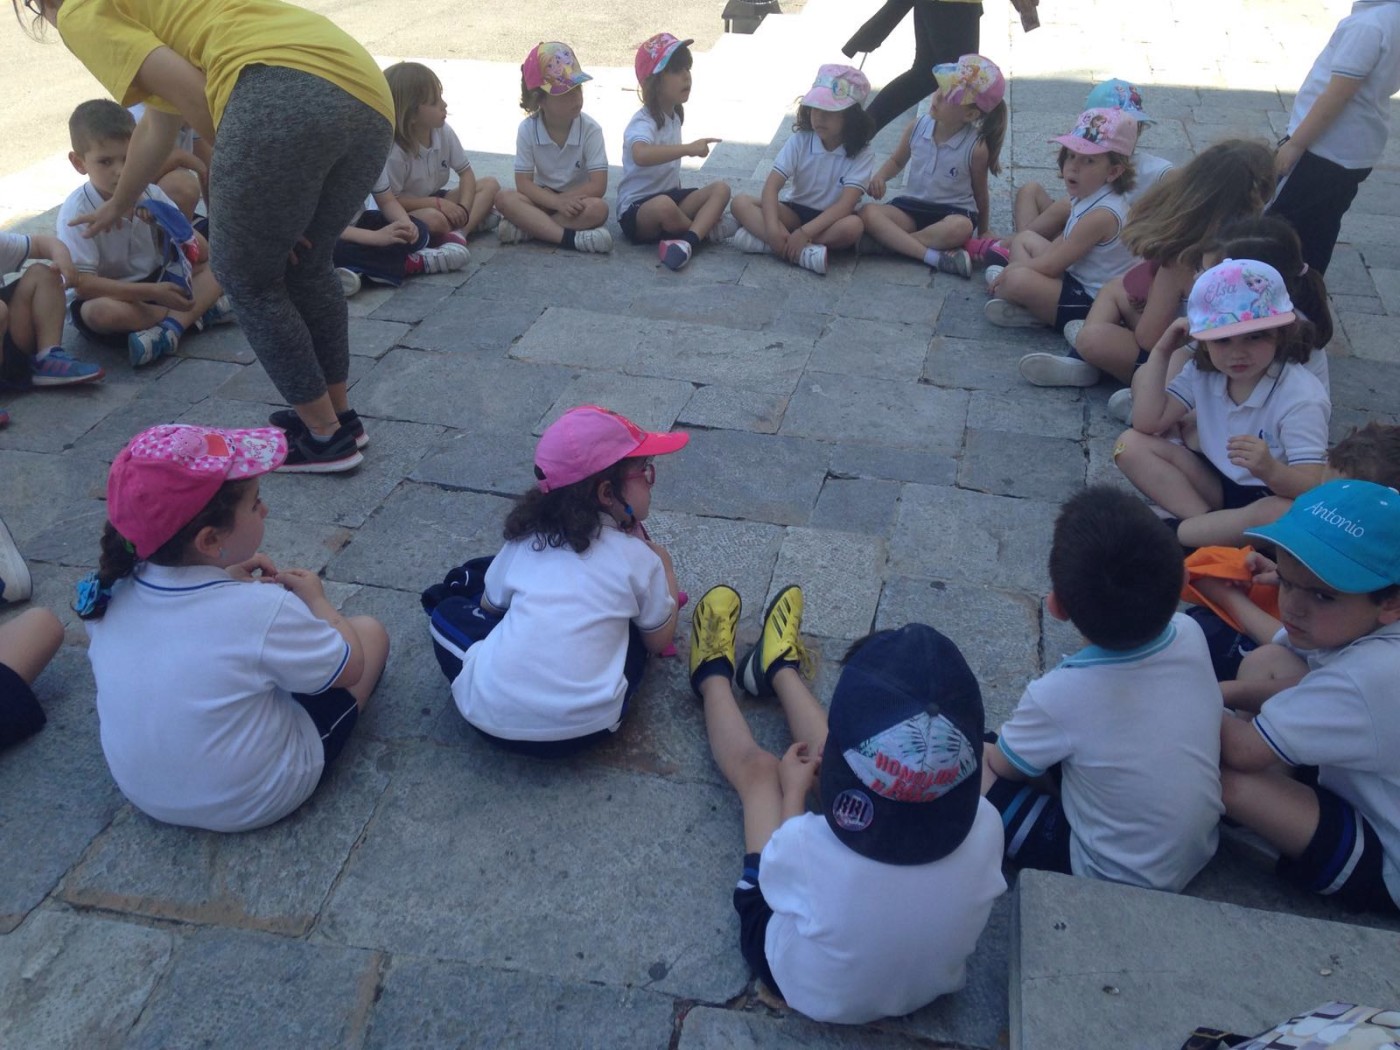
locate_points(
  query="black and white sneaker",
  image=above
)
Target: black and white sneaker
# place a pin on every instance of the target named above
(306, 455)
(288, 420)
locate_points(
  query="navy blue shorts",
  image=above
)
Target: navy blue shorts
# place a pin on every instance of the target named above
(1232, 493)
(1037, 831)
(20, 713)
(754, 914)
(926, 213)
(1344, 860)
(112, 339)
(805, 213)
(1074, 302)
(628, 219)
(335, 713)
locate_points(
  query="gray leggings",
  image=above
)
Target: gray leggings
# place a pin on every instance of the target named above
(295, 157)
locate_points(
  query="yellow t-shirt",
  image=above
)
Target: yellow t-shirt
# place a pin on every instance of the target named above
(114, 37)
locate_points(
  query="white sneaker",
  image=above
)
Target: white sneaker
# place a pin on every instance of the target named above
(1006, 314)
(492, 220)
(446, 258)
(1055, 370)
(349, 281)
(813, 258)
(748, 242)
(509, 233)
(1120, 406)
(1072, 332)
(724, 229)
(990, 274)
(15, 582)
(599, 240)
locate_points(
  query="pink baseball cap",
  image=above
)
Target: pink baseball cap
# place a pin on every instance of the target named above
(167, 474)
(972, 79)
(1238, 296)
(653, 55)
(554, 67)
(836, 88)
(1102, 131)
(589, 438)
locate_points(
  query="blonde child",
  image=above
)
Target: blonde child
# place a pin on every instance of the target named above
(583, 595)
(425, 149)
(1261, 416)
(952, 148)
(651, 206)
(561, 165)
(230, 721)
(829, 163)
(1053, 282)
(1168, 229)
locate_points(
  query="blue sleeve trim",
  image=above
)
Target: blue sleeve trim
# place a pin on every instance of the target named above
(1016, 760)
(344, 659)
(1273, 744)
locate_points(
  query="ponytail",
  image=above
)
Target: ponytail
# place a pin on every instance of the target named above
(992, 131)
(1272, 240)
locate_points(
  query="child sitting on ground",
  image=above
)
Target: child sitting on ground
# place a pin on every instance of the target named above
(1053, 282)
(1131, 723)
(126, 295)
(871, 908)
(223, 699)
(1338, 551)
(830, 165)
(27, 643)
(651, 206)
(425, 151)
(949, 150)
(561, 164)
(384, 244)
(583, 595)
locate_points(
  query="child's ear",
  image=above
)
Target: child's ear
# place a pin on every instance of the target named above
(1390, 610)
(1054, 608)
(1115, 172)
(605, 494)
(207, 543)
(76, 159)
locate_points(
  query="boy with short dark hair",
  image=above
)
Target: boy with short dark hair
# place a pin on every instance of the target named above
(1339, 600)
(871, 908)
(1131, 722)
(125, 296)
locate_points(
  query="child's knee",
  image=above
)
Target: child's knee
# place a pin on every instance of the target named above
(717, 191)
(488, 186)
(108, 315)
(1128, 449)
(38, 278)
(595, 212)
(757, 770)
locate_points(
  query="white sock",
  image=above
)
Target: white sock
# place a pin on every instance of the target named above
(932, 256)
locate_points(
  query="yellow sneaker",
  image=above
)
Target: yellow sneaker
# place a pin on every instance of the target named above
(779, 644)
(712, 628)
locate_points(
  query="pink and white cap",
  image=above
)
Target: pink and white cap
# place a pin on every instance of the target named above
(1102, 131)
(971, 80)
(655, 52)
(1238, 296)
(836, 88)
(167, 474)
(553, 67)
(589, 438)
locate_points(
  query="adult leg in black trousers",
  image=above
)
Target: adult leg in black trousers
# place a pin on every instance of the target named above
(943, 32)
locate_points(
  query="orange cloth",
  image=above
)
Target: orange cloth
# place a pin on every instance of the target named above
(1226, 563)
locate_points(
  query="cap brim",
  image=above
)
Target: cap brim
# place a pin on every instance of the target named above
(819, 98)
(1318, 558)
(570, 84)
(661, 444)
(666, 58)
(1254, 324)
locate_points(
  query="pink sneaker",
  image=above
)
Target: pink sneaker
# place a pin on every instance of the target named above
(987, 251)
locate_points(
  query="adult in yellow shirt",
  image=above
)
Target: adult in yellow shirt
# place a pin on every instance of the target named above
(302, 121)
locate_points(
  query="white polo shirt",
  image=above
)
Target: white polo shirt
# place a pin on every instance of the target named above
(639, 182)
(1343, 718)
(941, 173)
(1289, 411)
(128, 252)
(1138, 736)
(427, 169)
(556, 167)
(1108, 258)
(817, 175)
(1150, 169)
(1366, 46)
(552, 669)
(14, 249)
(195, 672)
(852, 940)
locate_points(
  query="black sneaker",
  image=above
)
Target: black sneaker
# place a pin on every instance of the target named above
(288, 420)
(306, 455)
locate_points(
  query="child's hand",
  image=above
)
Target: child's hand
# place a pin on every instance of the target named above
(569, 207)
(796, 241)
(108, 216)
(798, 770)
(1265, 571)
(304, 583)
(455, 213)
(258, 568)
(1250, 452)
(876, 189)
(170, 296)
(1287, 158)
(700, 147)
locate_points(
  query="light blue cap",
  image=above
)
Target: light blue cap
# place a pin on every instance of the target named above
(1118, 94)
(1346, 533)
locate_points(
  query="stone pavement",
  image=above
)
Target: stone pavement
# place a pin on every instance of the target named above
(862, 434)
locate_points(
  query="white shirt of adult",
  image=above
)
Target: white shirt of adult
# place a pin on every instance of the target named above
(555, 167)
(424, 170)
(1138, 733)
(852, 940)
(552, 669)
(1289, 411)
(638, 181)
(128, 252)
(195, 672)
(818, 176)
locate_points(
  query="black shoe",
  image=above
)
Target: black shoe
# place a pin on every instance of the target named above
(288, 420)
(306, 455)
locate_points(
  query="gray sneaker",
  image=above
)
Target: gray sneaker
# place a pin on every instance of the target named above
(1120, 406)
(990, 274)
(1054, 370)
(726, 228)
(956, 261)
(349, 281)
(1072, 332)
(509, 233)
(599, 241)
(1005, 314)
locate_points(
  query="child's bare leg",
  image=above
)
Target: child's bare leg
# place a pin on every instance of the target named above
(892, 228)
(182, 187)
(749, 211)
(661, 217)
(1035, 291)
(1107, 340)
(1274, 805)
(37, 310)
(118, 315)
(374, 641)
(594, 214)
(705, 207)
(1027, 245)
(525, 214)
(806, 717)
(750, 770)
(437, 222)
(1280, 667)
(1031, 200)
(950, 232)
(842, 234)
(483, 200)
(29, 641)
(1169, 475)
(1225, 527)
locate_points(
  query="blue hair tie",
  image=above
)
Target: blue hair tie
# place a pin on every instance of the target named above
(91, 597)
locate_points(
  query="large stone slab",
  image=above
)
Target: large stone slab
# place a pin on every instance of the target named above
(1054, 412)
(653, 404)
(498, 463)
(500, 891)
(839, 573)
(1097, 964)
(733, 474)
(1374, 338)
(465, 324)
(987, 363)
(859, 409)
(708, 551)
(857, 505)
(893, 464)
(69, 980)
(47, 421)
(1007, 463)
(729, 305)
(594, 282)
(717, 407)
(431, 1005)
(871, 348)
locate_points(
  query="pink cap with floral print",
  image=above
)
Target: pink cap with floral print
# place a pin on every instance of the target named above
(653, 55)
(1238, 296)
(836, 88)
(971, 80)
(1102, 131)
(167, 474)
(552, 67)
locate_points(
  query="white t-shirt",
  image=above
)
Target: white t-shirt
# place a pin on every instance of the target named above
(1109, 258)
(1343, 718)
(852, 940)
(819, 175)
(427, 169)
(556, 167)
(195, 672)
(129, 252)
(941, 172)
(14, 249)
(1365, 45)
(1289, 411)
(1138, 736)
(1150, 169)
(553, 667)
(638, 181)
